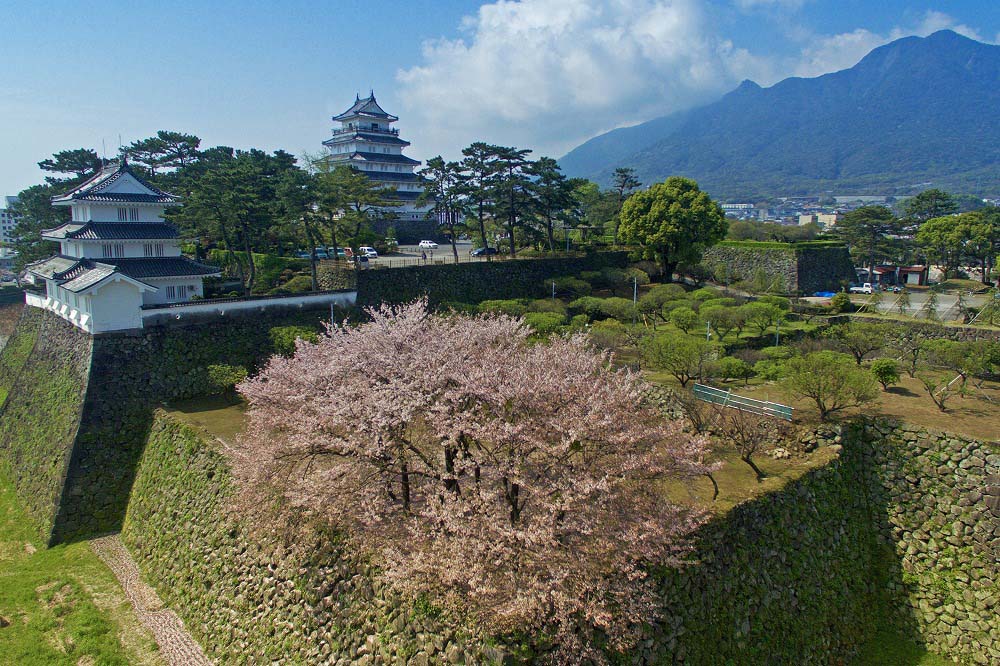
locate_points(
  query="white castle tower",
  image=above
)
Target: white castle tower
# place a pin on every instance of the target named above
(116, 254)
(367, 141)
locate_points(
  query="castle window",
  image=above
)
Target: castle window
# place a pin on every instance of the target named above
(122, 214)
(152, 249)
(171, 291)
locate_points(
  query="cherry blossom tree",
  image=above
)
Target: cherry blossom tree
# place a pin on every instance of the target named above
(516, 483)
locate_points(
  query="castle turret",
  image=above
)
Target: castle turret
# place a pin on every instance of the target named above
(367, 142)
(116, 254)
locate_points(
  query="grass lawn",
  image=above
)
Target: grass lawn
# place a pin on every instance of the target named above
(61, 605)
(976, 414)
(220, 416)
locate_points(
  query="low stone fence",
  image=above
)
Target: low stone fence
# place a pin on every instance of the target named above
(209, 310)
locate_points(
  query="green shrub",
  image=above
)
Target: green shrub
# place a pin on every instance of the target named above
(734, 368)
(726, 301)
(886, 371)
(841, 302)
(609, 334)
(780, 353)
(779, 301)
(568, 286)
(588, 305)
(283, 338)
(457, 306)
(547, 305)
(511, 307)
(299, 284)
(770, 370)
(579, 322)
(224, 378)
(621, 309)
(704, 294)
(684, 318)
(544, 323)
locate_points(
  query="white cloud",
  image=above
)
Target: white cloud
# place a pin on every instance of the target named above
(747, 5)
(832, 53)
(547, 74)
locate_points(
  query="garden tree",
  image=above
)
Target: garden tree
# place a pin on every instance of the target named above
(238, 200)
(886, 371)
(930, 307)
(830, 379)
(749, 433)
(908, 344)
(516, 484)
(479, 173)
(762, 315)
(964, 358)
(653, 301)
(943, 239)
(684, 318)
(859, 339)
(982, 243)
(903, 302)
(598, 209)
(360, 197)
(939, 391)
(684, 357)
(80, 164)
(673, 222)
(730, 367)
(866, 229)
(34, 211)
(553, 196)
(443, 189)
(512, 189)
(772, 231)
(723, 319)
(166, 150)
(623, 181)
(928, 205)
(297, 203)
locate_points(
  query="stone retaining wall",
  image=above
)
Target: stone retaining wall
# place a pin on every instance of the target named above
(790, 270)
(475, 281)
(899, 531)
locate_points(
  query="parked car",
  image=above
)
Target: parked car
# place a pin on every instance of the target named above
(368, 251)
(866, 288)
(302, 254)
(483, 251)
(337, 252)
(321, 253)
(427, 245)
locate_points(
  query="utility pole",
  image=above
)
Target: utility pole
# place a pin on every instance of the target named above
(635, 298)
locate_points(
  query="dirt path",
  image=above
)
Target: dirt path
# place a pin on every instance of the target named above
(176, 644)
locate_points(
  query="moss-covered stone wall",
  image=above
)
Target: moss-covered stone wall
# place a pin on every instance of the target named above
(786, 268)
(43, 379)
(133, 372)
(250, 604)
(76, 409)
(477, 281)
(899, 531)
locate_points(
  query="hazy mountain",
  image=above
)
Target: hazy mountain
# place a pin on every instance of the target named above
(913, 113)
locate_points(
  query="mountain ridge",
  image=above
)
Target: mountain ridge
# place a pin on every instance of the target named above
(915, 111)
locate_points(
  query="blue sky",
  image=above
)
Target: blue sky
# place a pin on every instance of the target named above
(542, 74)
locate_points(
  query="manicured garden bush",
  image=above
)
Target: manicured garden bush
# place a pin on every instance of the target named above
(283, 338)
(568, 286)
(512, 307)
(544, 323)
(224, 378)
(886, 371)
(684, 318)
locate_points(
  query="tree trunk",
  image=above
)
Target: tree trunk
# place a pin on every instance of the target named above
(549, 228)
(251, 264)
(454, 245)
(715, 485)
(756, 470)
(668, 269)
(482, 226)
(404, 484)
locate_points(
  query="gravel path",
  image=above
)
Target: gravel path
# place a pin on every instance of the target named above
(176, 644)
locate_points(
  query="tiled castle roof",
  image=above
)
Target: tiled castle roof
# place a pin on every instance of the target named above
(112, 231)
(366, 107)
(96, 188)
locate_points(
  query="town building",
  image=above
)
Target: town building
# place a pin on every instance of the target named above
(366, 141)
(116, 254)
(7, 220)
(822, 220)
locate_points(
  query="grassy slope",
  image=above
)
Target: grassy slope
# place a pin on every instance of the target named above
(62, 604)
